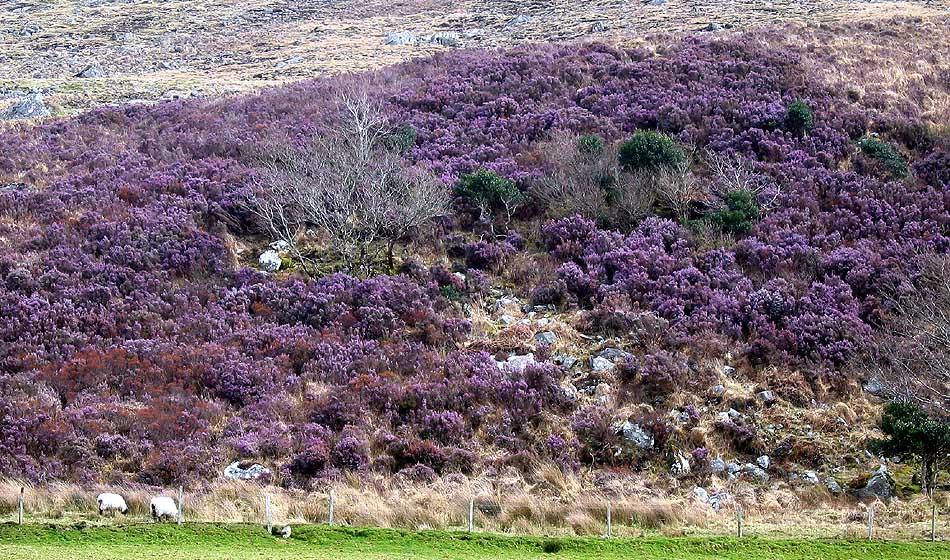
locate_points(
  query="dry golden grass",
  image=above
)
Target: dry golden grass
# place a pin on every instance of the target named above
(151, 50)
(901, 63)
(570, 505)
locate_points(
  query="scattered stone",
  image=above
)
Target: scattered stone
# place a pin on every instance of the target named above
(713, 27)
(755, 471)
(733, 468)
(811, 477)
(878, 485)
(767, 397)
(285, 532)
(656, 2)
(91, 71)
(520, 19)
(599, 364)
(717, 465)
(446, 39)
(718, 390)
(702, 494)
(28, 107)
(763, 461)
(236, 471)
(473, 33)
(289, 62)
(567, 362)
(545, 338)
(519, 361)
(636, 435)
(280, 246)
(401, 38)
(719, 499)
(599, 27)
(728, 370)
(832, 485)
(269, 261)
(507, 320)
(613, 354)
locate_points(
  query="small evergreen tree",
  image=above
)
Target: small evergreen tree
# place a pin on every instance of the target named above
(799, 118)
(740, 214)
(402, 139)
(881, 151)
(489, 191)
(590, 145)
(909, 431)
(649, 150)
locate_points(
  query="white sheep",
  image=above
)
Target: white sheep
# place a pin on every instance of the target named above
(111, 503)
(163, 507)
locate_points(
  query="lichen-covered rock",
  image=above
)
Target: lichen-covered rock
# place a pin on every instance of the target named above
(634, 434)
(401, 38)
(545, 338)
(27, 107)
(238, 471)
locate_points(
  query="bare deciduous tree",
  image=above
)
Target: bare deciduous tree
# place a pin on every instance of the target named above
(575, 182)
(348, 185)
(734, 173)
(913, 362)
(678, 191)
(590, 184)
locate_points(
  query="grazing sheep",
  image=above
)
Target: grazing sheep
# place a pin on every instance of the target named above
(163, 507)
(111, 503)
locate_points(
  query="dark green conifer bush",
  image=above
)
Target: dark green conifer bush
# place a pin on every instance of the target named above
(649, 150)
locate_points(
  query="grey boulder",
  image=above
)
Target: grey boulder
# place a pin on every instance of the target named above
(28, 107)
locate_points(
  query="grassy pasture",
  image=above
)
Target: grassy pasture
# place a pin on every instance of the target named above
(201, 541)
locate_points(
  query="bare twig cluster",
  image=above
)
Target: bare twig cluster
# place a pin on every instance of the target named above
(350, 186)
(914, 350)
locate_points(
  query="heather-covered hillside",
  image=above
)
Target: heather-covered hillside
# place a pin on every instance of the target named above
(686, 300)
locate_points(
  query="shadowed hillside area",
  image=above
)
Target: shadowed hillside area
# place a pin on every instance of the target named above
(684, 273)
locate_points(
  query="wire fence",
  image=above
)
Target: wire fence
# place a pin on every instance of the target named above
(876, 520)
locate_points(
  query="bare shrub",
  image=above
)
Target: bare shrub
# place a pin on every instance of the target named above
(575, 181)
(678, 191)
(350, 186)
(913, 351)
(734, 173)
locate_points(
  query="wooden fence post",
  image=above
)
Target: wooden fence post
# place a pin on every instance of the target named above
(332, 505)
(609, 527)
(471, 516)
(181, 511)
(270, 524)
(19, 518)
(739, 520)
(871, 522)
(933, 522)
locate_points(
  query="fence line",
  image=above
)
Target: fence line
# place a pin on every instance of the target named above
(881, 523)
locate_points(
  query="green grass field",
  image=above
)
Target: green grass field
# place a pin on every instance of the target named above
(232, 542)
